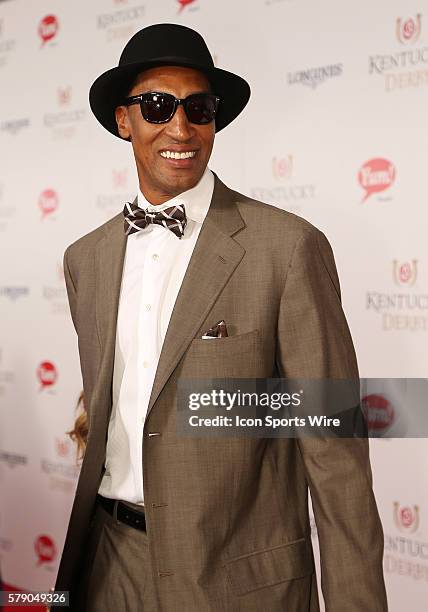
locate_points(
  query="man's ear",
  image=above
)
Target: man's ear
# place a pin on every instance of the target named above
(122, 121)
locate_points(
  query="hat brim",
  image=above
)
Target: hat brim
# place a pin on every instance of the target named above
(108, 90)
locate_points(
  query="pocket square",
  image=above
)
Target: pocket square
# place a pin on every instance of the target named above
(219, 330)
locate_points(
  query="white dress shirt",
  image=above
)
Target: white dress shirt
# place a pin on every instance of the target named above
(155, 263)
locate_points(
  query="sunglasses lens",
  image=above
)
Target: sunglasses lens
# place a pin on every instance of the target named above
(201, 108)
(157, 108)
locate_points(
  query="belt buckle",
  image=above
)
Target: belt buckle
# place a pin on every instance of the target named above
(115, 505)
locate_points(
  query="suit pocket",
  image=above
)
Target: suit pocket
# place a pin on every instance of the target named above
(230, 344)
(235, 357)
(269, 567)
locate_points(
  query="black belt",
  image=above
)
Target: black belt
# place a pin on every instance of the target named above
(124, 513)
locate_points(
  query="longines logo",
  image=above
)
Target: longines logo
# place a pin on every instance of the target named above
(404, 311)
(313, 77)
(405, 273)
(376, 175)
(13, 459)
(284, 191)
(408, 30)
(406, 518)
(406, 68)
(14, 126)
(121, 23)
(14, 292)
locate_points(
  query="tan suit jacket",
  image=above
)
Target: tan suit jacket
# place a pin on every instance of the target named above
(227, 518)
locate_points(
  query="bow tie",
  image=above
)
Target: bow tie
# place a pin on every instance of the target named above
(173, 218)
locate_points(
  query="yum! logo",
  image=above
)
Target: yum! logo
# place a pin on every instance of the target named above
(376, 175)
(48, 28)
(183, 4)
(45, 549)
(409, 30)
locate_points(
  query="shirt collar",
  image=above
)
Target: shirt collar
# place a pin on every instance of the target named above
(196, 200)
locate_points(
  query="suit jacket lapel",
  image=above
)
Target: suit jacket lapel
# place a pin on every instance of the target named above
(213, 260)
(215, 257)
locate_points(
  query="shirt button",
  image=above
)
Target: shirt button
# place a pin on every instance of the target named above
(145, 364)
(148, 307)
(155, 256)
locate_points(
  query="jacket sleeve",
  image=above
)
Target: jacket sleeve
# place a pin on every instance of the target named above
(314, 342)
(71, 288)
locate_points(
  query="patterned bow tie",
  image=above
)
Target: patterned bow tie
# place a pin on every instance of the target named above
(173, 218)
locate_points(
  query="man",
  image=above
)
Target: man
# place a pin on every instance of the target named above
(172, 523)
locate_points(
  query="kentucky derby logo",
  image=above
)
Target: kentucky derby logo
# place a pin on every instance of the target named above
(282, 168)
(64, 95)
(406, 518)
(376, 175)
(120, 178)
(405, 273)
(409, 31)
(183, 4)
(62, 447)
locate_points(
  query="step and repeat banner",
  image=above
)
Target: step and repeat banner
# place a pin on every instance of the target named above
(335, 131)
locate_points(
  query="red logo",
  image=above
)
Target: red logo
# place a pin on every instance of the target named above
(409, 31)
(48, 28)
(47, 374)
(376, 175)
(48, 202)
(406, 518)
(405, 273)
(60, 271)
(283, 168)
(45, 549)
(378, 413)
(120, 178)
(62, 447)
(183, 4)
(64, 95)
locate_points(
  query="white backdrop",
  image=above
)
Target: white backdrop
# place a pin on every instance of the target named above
(335, 131)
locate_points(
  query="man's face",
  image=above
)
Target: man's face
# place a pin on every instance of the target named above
(162, 178)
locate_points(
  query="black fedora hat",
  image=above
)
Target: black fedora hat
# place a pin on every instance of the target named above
(166, 44)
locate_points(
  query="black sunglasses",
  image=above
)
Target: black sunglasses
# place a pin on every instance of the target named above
(158, 107)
